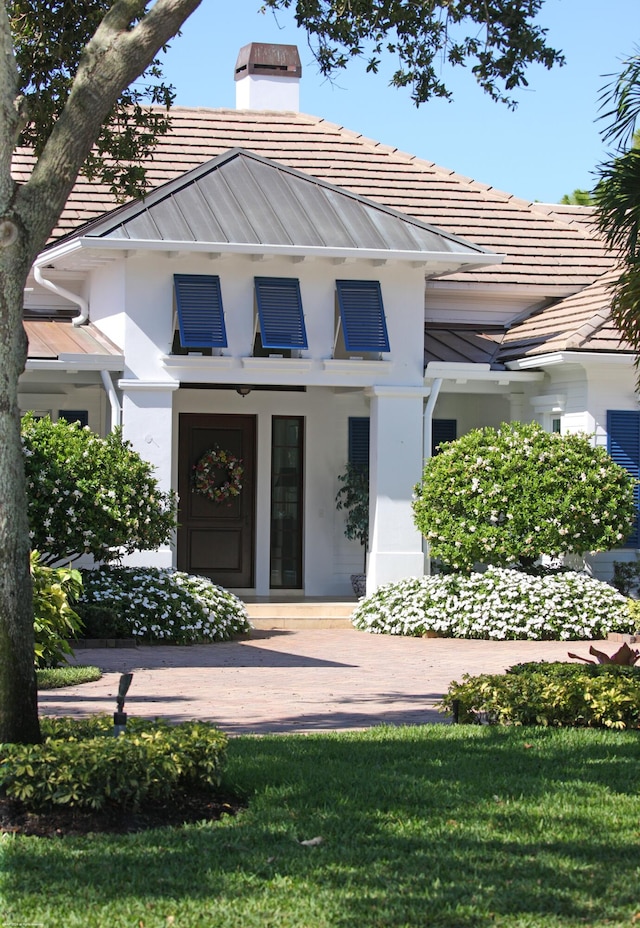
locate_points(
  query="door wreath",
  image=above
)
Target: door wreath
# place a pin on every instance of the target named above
(206, 475)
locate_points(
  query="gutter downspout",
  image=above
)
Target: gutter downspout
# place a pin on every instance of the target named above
(83, 318)
(427, 435)
(116, 411)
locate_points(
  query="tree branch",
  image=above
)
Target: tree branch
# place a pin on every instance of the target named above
(125, 43)
(9, 105)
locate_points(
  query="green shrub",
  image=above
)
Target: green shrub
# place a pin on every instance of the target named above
(555, 694)
(103, 621)
(507, 496)
(54, 620)
(90, 495)
(153, 604)
(81, 764)
(497, 604)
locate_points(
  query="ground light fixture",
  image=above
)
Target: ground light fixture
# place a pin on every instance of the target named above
(120, 716)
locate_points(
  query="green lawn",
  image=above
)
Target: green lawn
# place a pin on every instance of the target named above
(52, 678)
(429, 827)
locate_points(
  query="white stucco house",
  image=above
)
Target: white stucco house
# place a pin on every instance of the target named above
(301, 296)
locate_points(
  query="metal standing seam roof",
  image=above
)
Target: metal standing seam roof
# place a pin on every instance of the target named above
(243, 198)
(466, 344)
(54, 339)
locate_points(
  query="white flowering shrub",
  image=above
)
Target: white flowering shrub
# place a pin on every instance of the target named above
(153, 604)
(90, 495)
(497, 604)
(510, 495)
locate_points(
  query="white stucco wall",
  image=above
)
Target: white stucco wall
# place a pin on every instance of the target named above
(143, 323)
(107, 300)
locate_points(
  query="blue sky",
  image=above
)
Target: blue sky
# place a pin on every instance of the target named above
(549, 146)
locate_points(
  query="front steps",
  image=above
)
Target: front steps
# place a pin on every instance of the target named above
(265, 615)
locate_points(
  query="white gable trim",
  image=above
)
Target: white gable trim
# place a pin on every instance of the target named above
(438, 262)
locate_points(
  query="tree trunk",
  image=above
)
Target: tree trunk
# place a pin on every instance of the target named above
(18, 690)
(124, 44)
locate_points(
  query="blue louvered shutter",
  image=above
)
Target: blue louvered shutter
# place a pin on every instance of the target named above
(623, 444)
(442, 430)
(200, 312)
(280, 312)
(362, 314)
(359, 441)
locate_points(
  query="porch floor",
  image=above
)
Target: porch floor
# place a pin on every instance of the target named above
(298, 612)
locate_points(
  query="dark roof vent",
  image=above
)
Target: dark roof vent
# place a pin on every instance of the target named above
(261, 58)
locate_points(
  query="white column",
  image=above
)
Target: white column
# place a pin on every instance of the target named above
(395, 544)
(147, 422)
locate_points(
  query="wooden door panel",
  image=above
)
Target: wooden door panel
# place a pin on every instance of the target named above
(216, 539)
(213, 550)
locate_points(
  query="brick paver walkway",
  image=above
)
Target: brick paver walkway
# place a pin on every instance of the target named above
(295, 681)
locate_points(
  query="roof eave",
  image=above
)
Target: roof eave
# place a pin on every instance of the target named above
(553, 358)
(72, 363)
(462, 372)
(440, 262)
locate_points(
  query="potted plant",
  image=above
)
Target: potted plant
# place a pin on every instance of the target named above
(353, 497)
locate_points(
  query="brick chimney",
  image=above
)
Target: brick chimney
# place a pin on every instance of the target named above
(268, 77)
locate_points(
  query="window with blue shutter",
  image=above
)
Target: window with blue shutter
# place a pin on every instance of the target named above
(200, 311)
(364, 326)
(442, 430)
(359, 441)
(280, 313)
(623, 444)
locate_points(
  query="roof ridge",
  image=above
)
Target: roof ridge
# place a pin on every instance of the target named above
(584, 332)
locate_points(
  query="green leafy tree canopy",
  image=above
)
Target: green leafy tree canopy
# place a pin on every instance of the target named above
(90, 495)
(497, 38)
(579, 197)
(510, 495)
(48, 45)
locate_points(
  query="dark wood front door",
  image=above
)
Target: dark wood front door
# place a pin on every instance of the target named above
(216, 539)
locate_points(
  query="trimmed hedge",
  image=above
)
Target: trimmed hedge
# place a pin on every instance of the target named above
(549, 694)
(81, 764)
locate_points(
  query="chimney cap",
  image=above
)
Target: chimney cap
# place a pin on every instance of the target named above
(268, 60)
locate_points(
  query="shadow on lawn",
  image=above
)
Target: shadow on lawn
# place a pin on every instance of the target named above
(441, 826)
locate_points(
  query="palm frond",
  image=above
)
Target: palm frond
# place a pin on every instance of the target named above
(620, 104)
(617, 197)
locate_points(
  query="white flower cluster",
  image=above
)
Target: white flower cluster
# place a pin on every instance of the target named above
(497, 604)
(167, 605)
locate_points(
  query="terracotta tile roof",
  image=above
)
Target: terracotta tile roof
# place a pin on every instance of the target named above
(578, 323)
(582, 215)
(543, 250)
